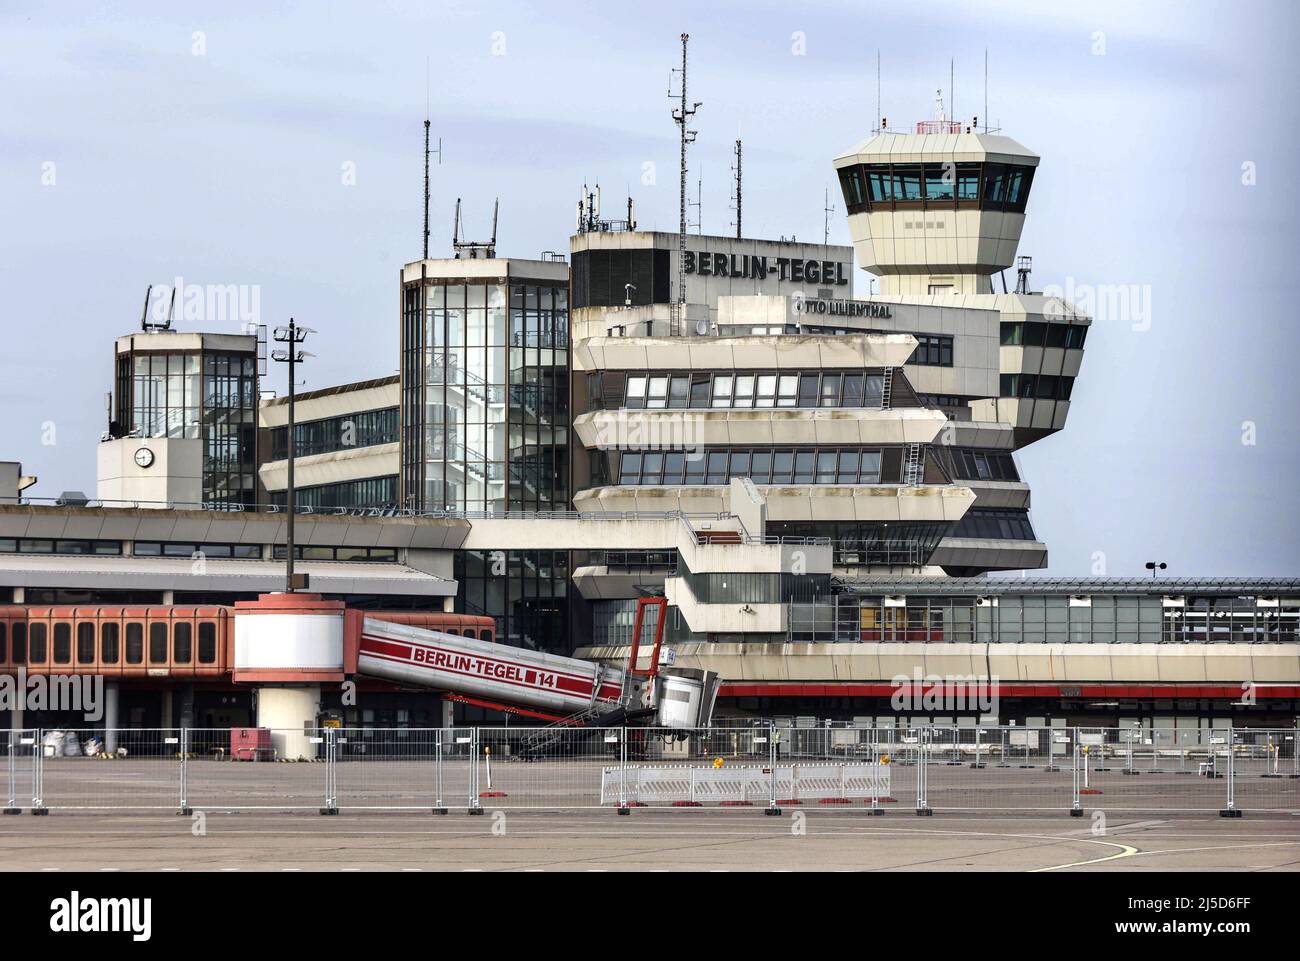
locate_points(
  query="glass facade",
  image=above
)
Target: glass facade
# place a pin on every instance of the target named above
(857, 617)
(1047, 619)
(739, 389)
(936, 186)
(526, 591)
(364, 493)
(363, 429)
(763, 466)
(968, 463)
(856, 543)
(756, 587)
(1036, 334)
(211, 396)
(613, 622)
(995, 524)
(229, 420)
(485, 370)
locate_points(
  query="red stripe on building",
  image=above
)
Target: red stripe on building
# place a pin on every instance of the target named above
(1067, 691)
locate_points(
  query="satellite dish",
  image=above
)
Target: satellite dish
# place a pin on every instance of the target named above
(701, 327)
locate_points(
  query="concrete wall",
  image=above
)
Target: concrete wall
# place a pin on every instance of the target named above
(175, 476)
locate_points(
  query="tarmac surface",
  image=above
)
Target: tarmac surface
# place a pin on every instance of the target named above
(110, 815)
(647, 840)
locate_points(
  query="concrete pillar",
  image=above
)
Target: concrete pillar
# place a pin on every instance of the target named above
(165, 717)
(289, 712)
(445, 708)
(112, 720)
(449, 605)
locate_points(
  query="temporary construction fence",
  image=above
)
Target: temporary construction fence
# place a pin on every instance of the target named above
(690, 785)
(922, 768)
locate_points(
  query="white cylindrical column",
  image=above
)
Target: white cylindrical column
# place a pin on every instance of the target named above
(290, 713)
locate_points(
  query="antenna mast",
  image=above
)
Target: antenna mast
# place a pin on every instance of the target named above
(879, 123)
(827, 209)
(738, 194)
(986, 91)
(426, 188)
(426, 158)
(681, 117)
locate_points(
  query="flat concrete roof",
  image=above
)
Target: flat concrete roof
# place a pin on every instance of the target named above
(83, 571)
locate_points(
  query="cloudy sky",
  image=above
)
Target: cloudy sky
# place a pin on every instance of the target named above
(279, 147)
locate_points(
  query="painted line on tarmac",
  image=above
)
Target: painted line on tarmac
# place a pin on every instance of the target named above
(1134, 853)
(1222, 847)
(1126, 851)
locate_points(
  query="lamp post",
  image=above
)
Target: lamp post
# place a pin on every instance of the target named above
(1154, 566)
(291, 336)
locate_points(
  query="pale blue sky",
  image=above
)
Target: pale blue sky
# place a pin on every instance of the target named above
(225, 168)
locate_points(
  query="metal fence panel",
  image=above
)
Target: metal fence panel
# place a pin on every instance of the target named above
(1266, 770)
(283, 769)
(564, 768)
(931, 768)
(77, 771)
(20, 759)
(966, 771)
(404, 768)
(1116, 771)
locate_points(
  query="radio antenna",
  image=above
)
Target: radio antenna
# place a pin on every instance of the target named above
(878, 120)
(738, 193)
(682, 116)
(474, 248)
(426, 188)
(828, 208)
(426, 158)
(698, 204)
(986, 91)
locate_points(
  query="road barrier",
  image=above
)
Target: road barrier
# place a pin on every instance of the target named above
(685, 784)
(934, 768)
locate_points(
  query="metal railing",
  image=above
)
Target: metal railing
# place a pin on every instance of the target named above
(928, 768)
(378, 511)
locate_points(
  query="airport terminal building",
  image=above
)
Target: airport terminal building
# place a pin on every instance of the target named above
(818, 489)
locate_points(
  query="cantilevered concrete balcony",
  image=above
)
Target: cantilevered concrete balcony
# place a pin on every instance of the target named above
(792, 352)
(706, 427)
(807, 502)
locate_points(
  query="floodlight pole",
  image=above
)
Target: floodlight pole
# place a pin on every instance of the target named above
(289, 491)
(292, 335)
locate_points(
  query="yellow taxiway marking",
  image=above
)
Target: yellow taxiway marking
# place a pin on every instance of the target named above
(1125, 851)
